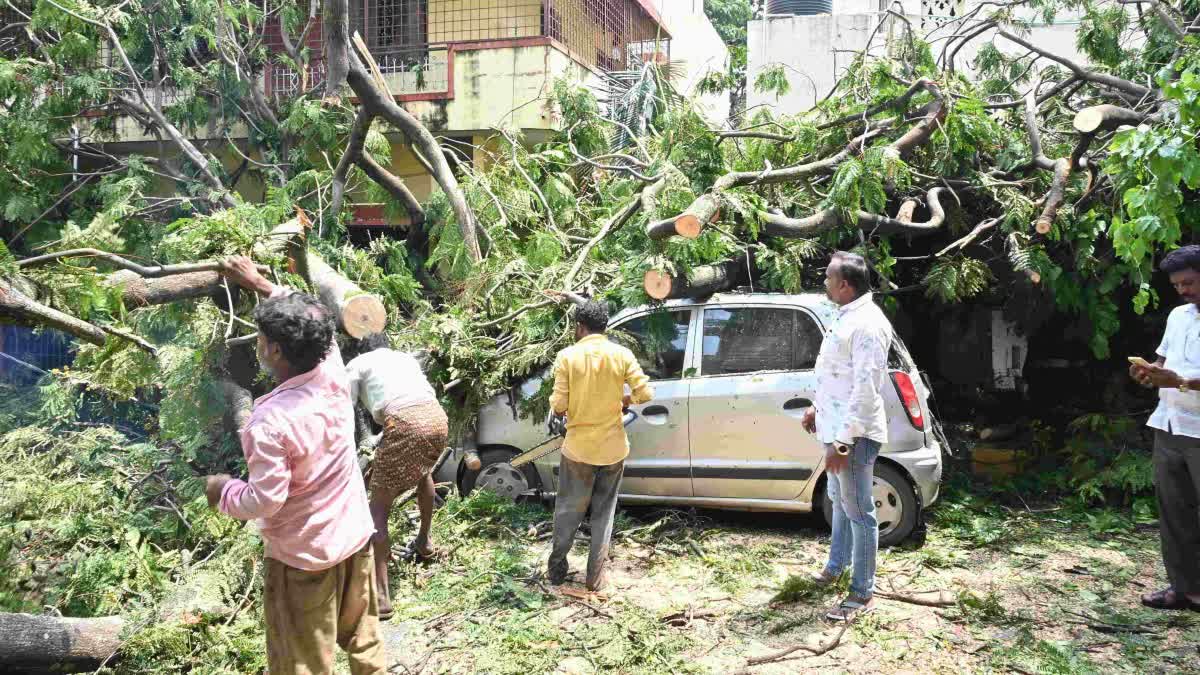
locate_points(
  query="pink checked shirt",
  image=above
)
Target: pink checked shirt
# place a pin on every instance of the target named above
(305, 485)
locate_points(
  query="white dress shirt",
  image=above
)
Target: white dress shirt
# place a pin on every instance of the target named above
(1178, 412)
(851, 374)
(386, 378)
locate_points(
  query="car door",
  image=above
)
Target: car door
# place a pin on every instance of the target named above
(755, 381)
(659, 462)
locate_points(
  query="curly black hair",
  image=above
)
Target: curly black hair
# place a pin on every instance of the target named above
(300, 324)
(1182, 258)
(593, 315)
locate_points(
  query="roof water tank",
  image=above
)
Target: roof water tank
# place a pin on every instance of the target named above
(799, 7)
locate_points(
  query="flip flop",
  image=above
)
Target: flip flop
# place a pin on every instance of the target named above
(410, 554)
(824, 578)
(850, 609)
(1169, 598)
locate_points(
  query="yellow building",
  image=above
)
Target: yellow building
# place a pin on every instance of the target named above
(467, 67)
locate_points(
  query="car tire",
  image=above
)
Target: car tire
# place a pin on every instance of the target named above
(894, 488)
(494, 468)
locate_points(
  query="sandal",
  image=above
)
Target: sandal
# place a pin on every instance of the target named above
(1169, 598)
(851, 608)
(824, 578)
(410, 554)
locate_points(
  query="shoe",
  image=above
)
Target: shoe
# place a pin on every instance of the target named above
(1169, 599)
(851, 608)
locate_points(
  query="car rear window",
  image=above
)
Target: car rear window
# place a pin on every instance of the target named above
(898, 356)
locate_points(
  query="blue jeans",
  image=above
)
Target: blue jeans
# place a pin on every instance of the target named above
(855, 528)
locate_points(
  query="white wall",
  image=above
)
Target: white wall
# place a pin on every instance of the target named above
(695, 43)
(815, 50)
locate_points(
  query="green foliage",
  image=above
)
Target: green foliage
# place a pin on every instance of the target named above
(729, 18)
(1099, 34)
(8, 264)
(783, 266)
(957, 278)
(772, 80)
(1103, 467)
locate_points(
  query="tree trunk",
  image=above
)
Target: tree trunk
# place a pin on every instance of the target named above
(358, 313)
(687, 225)
(700, 282)
(17, 305)
(380, 103)
(39, 644)
(777, 225)
(337, 47)
(1106, 118)
(137, 291)
(238, 404)
(290, 240)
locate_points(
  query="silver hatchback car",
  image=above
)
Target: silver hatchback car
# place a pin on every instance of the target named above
(732, 377)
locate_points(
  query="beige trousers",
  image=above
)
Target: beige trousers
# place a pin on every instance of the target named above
(307, 613)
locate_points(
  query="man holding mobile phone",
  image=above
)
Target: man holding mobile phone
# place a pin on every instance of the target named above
(1176, 421)
(849, 419)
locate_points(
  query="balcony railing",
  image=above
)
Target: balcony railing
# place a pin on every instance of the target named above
(411, 40)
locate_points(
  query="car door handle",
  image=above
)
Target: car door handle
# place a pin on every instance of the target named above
(655, 410)
(797, 403)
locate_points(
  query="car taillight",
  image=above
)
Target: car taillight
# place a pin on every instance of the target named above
(908, 399)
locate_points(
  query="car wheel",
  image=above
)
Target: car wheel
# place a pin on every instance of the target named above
(496, 475)
(895, 505)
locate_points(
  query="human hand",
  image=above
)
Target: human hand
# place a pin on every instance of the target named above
(809, 422)
(1155, 376)
(834, 461)
(213, 486)
(242, 271)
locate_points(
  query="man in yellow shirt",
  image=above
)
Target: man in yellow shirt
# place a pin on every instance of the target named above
(589, 387)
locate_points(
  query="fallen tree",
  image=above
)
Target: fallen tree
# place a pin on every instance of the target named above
(699, 282)
(47, 644)
(1016, 172)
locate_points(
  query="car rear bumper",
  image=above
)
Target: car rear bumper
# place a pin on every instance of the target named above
(925, 467)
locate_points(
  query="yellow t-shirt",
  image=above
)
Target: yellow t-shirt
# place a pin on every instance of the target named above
(589, 386)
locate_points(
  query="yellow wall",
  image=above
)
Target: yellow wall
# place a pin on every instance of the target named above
(493, 87)
(509, 87)
(471, 20)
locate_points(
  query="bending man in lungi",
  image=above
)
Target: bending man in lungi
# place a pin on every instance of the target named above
(391, 386)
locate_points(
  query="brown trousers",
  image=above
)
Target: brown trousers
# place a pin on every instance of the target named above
(308, 612)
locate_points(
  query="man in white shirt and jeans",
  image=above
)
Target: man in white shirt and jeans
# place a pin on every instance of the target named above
(849, 419)
(1176, 421)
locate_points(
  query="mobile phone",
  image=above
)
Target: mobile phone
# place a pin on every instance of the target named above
(1139, 361)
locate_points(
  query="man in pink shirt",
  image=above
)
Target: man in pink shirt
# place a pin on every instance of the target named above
(306, 490)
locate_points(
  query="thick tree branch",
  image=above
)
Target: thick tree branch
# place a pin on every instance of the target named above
(150, 272)
(704, 208)
(379, 102)
(17, 305)
(394, 185)
(354, 150)
(617, 220)
(777, 225)
(900, 102)
(1103, 79)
